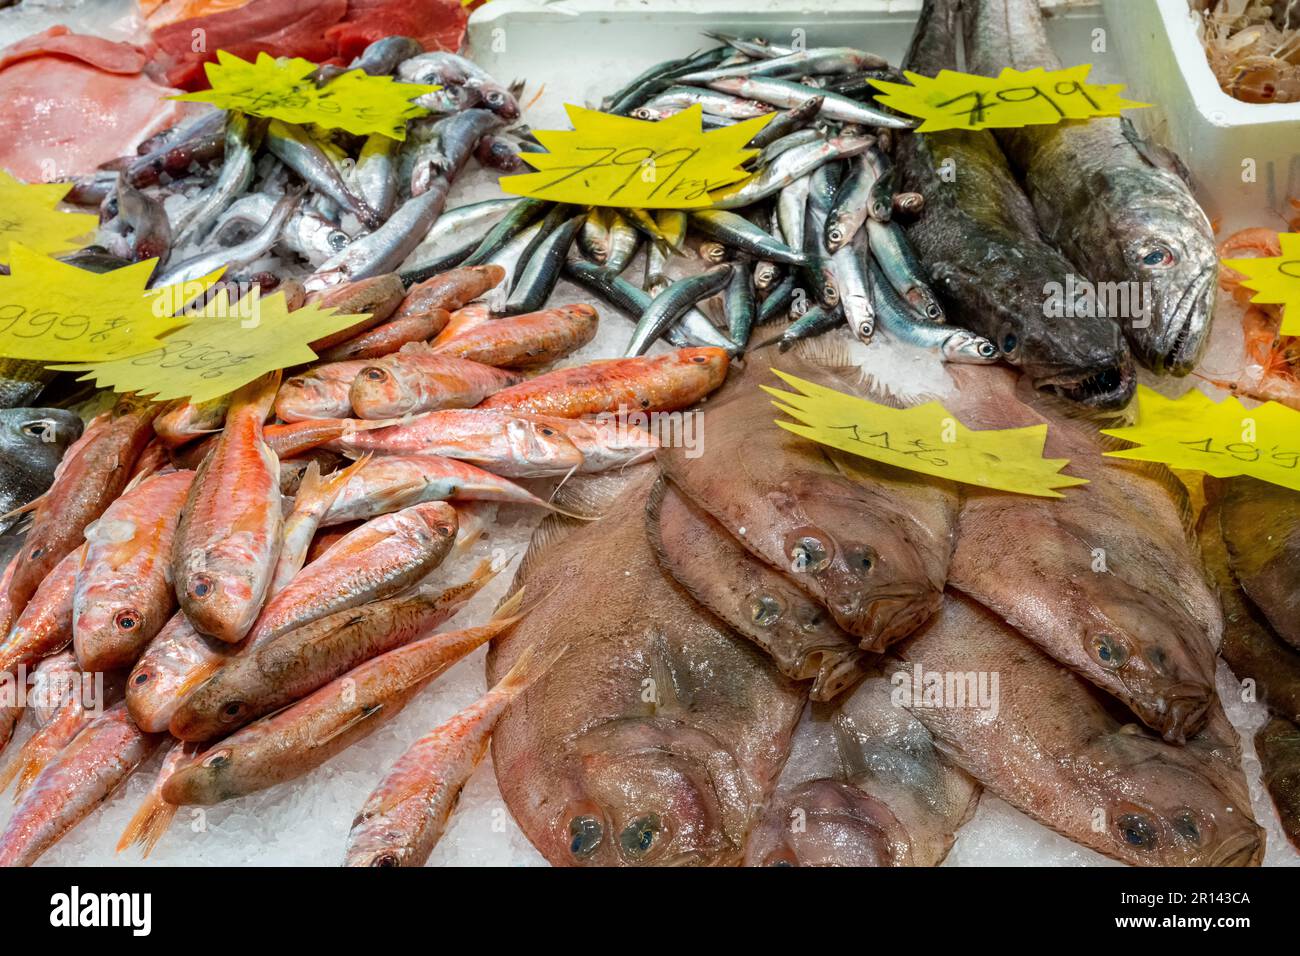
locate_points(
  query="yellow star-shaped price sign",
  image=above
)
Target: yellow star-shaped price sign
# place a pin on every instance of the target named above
(1014, 98)
(283, 89)
(1276, 280)
(224, 346)
(51, 311)
(1219, 438)
(925, 438)
(608, 160)
(29, 214)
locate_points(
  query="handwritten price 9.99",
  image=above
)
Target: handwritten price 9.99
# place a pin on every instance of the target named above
(22, 322)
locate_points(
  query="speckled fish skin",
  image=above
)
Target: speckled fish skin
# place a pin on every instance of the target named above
(1261, 526)
(320, 392)
(9, 717)
(90, 477)
(123, 594)
(1053, 751)
(373, 299)
(414, 379)
(303, 736)
(646, 384)
(230, 532)
(403, 819)
(1278, 745)
(45, 626)
(1104, 199)
(874, 552)
(400, 481)
(754, 599)
(601, 768)
(871, 787)
(78, 780)
(1146, 626)
(176, 661)
(290, 665)
(524, 341)
(503, 443)
(1250, 646)
(382, 557)
(452, 290)
(388, 338)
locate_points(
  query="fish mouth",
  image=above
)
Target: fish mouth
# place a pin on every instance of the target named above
(890, 615)
(1243, 849)
(1178, 713)
(1188, 326)
(1110, 387)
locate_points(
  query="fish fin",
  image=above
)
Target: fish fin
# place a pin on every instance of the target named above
(528, 667)
(590, 495)
(315, 488)
(26, 765)
(155, 815)
(479, 578)
(1161, 157)
(354, 721)
(549, 532)
(669, 696)
(24, 509)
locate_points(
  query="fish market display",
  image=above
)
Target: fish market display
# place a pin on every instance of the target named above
(525, 492)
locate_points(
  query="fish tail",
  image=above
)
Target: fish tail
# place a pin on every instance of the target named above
(315, 488)
(26, 765)
(150, 822)
(531, 665)
(260, 393)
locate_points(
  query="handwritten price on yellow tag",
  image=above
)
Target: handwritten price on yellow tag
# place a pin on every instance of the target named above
(54, 312)
(29, 214)
(225, 346)
(925, 438)
(282, 89)
(1276, 280)
(1035, 97)
(618, 161)
(1221, 439)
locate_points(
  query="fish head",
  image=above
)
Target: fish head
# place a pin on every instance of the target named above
(209, 778)
(1163, 808)
(712, 361)
(542, 444)
(110, 627)
(374, 842)
(221, 589)
(1083, 360)
(967, 347)
(40, 433)
(1168, 249)
(1145, 645)
(649, 791)
(860, 561)
(604, 442)
(379, 391)
(311, 396)
(838, 825)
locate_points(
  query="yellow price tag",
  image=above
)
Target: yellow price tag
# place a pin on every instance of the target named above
(925, 438)
(281, 88)
(618, 161)
(1219, 438)
(29, 214)
(1035, 97)
(226, 345)
(1276, 280)
(54, 312)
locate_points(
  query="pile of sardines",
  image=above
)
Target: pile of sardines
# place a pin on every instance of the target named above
(704, 643)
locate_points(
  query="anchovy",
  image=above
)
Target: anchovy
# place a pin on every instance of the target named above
(232, 257)
(783, 145)
(822, 186)
(899, 321)
(777, 301)
(791, 121)
(739, 304)
(670, 304)
(788, 168)
(456, 234)
(788, 95)
(658, 77)
(737, 231)
(623, 241)
(853, 282)
(799, 63)
(715, 103)
(814, 322)
(852, 202)
(294, 147)
(539, 276)
(890, 248)
(524, 214)
(243, 136)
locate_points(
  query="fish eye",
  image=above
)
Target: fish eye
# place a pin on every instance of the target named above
(585, 836)
(1009, 342)
(548, 432)
(1136, 830)
(385, 859)
(201, 586)
(233, 710)
(782, 857)
(127, 620)
(1187, 826)
(698, 359)
(765, 610)
(808, 553)
(1109, 651)
(639, 836)
(42, 430)
(641, 113)
(835, 235)
(861, 559)
(141, 678)
(217, 760)
(1158, 255)
(35, 553)
(375, 374)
